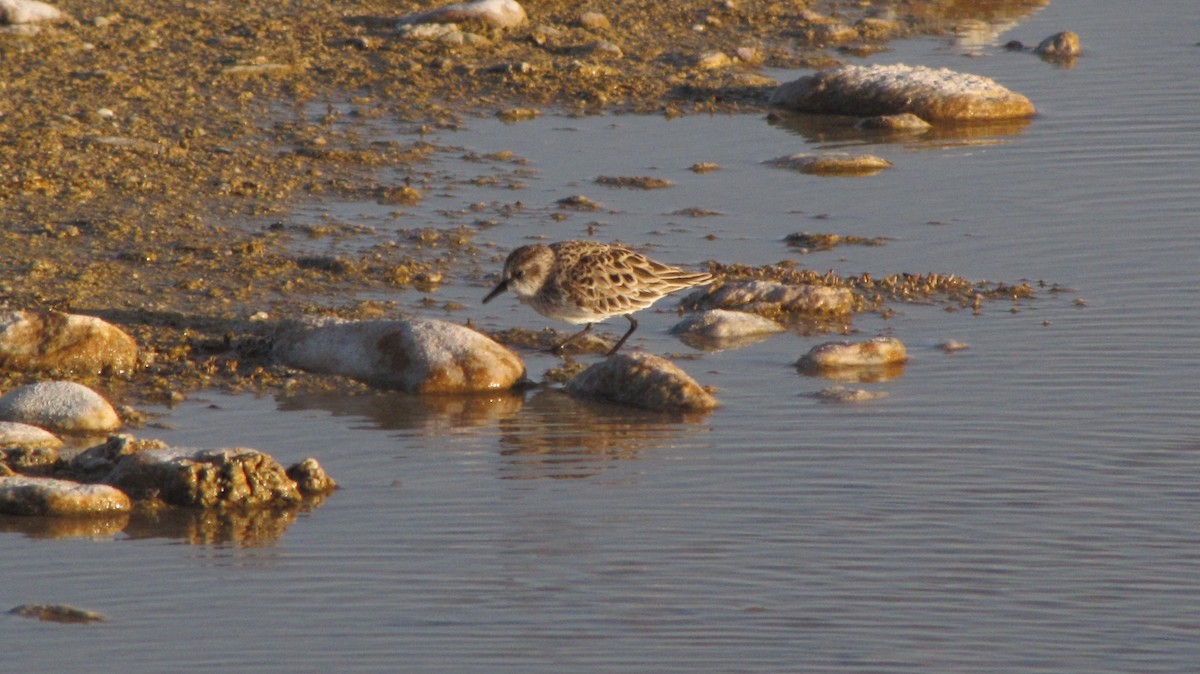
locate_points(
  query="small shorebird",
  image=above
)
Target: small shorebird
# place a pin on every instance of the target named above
(587, 282)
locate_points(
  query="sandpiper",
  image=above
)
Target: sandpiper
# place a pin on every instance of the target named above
(588, 282)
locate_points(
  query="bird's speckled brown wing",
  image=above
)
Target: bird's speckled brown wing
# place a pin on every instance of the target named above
(606, 281)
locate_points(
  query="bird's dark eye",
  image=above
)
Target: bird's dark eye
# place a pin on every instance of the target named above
(519, 273)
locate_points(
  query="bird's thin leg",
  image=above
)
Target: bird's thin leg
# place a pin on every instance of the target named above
(632, 327)
(565, 342)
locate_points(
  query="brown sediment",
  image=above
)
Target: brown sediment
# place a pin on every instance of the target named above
(152, 151)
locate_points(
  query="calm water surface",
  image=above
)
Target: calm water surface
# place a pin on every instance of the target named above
(1029, 504)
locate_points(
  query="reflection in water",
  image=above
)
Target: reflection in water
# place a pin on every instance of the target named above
(862, 374)
(105, 526)
(243, 527)
(557, 436)
(250, 527)
(433, 414)
(840, 131)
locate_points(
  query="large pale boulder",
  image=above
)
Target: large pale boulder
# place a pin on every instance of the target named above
(22, 495)
(34, 340)
(59, 406)
(417, 355)
(641, 380)
(933, 94)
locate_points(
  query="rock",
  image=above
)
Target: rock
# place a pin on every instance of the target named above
(594, 21)
(61, 406)
(204, 478)
(418, 355)
(44, 496)
(56, 613)
(600, 49)
(444, 33)
(96, 462)
(498, 13)
(13, 434)
(723, 324)
(713, 60)
(832, 163)
(31, 340)
(771, 297)
(932, 94)
(953, 346)
(27, 460)
(310, 478)
(641, 380)
(511, 115)
(841, 394)
(718, 329)
(1059, 45)
(906, 122)
(28, 11)
(874, 352)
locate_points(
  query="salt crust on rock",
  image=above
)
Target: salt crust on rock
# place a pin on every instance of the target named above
(417, 355)
(31, 340)
(641, 380)
(45, 496)
(498, 13)
(59, 406)
(771, 297)
(934, 94)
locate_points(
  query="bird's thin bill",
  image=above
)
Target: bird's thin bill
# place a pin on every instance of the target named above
(496, 291)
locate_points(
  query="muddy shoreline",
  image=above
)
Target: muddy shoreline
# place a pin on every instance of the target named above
(152, 150)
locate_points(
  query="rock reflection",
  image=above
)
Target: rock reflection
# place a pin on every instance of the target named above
(861, 374)
(842, 131)
(557, 436)
(434, 414)
(65, 527)
(249, 527)
(241, 527)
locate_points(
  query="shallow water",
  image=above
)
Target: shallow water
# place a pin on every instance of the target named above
(1028, 504)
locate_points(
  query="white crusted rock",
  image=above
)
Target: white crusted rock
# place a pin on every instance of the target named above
(724, 324)
(59, 406)
(934, 94)
(418, 355)
(50, 497)
(28, 11)
(15, 434)
(873, 352)
(641, 380)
